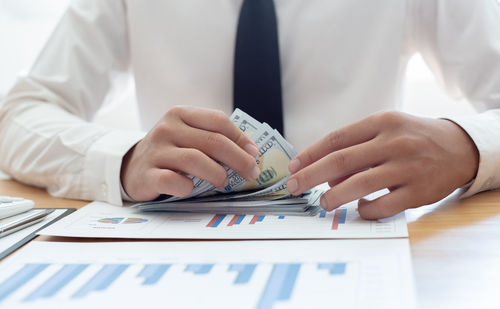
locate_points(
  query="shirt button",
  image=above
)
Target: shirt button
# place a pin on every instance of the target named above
(104, 189)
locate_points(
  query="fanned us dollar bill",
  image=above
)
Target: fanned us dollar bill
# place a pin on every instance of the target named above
(267, 193)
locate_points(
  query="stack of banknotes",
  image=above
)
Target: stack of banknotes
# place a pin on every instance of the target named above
(265, 195)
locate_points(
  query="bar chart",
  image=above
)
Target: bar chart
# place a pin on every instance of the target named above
(104, 220)
(216, 274)
(237, 219)
(278, 287)
(339, 217)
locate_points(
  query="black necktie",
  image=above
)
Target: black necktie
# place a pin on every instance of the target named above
(257, 77)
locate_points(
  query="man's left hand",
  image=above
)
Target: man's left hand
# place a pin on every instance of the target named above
(420, 160)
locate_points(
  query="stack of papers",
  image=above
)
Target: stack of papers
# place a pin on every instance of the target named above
(243, 203)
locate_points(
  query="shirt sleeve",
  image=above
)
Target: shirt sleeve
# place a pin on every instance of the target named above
(46, 136)
(460, 41)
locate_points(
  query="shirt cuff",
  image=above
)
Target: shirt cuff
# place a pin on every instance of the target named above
(103, 164)
(484, 130)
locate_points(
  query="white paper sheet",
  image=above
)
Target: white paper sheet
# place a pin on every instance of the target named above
(10, 240)
(232, 274)
(103, 220)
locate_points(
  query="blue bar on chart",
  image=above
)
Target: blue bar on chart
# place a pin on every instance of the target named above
(19, 278)
(245, 272)
(260, 218)
(281, 217)
(343, 215)
(322, 214)
(199, 269)
(280, 285)
(236, 220)
(152, 273)
(102, 280)
(333, 268)
(216, 220)
(56, 282)
(240, 218)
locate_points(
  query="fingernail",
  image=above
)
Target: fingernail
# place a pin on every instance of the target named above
(255, 172)
(292, 185)
(251, 149)
(322, 202)
(294, 165)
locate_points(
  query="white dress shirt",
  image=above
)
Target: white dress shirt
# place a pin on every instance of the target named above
(341, 60)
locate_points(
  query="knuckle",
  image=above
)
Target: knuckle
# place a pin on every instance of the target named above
(240, 137)
(336, 139)
(366, 182)
(390, 119)
(160, 131)
(174, 111)
(165, 179)
(404, 145)
(188, 157)
(215, 142)
(219, 118)
(304, 180)
(338, 161)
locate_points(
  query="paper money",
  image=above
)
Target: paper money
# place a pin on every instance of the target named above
(267, 192)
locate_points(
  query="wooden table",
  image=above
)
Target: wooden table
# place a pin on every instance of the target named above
(455, 246)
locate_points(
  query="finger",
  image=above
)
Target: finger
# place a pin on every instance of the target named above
(217, 121)
(221, 149)
(359, 185)
(169, 182)
(356, 133)
(336, 165)
(387, 205)
(196, 163)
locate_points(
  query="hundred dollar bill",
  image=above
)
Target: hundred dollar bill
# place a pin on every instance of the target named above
(246, 123)
(272, 159)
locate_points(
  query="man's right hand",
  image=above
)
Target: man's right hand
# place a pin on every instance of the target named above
(187, 141)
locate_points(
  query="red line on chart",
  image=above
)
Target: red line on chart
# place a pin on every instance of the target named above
(254, 219)
(233, 220)
(336, 219)
(214, 219)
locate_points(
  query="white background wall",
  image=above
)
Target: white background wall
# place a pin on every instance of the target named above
(26, 24)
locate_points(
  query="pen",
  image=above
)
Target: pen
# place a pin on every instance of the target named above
(23, 221)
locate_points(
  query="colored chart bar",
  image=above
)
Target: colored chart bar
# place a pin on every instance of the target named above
(111, 220)
(333, 268)
(245, 272)
(216, 220)
(281, 217)
(152, 273)
(240, 218)
(19, 278)
(343, 215)
(102, 280)
(280, 285)
(233, 220)
(199, 269)
(254, 219)
(322, 214)
(134, 220)
(260, 218)
(336, 218)
(55, 283)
